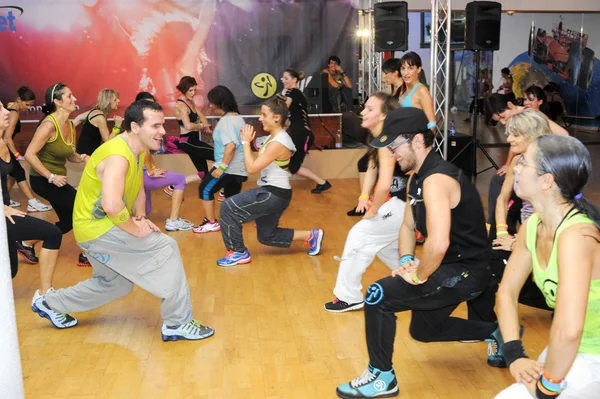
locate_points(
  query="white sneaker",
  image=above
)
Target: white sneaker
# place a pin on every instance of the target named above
(59, 320)
(192, 330)
(178, 224)
(14, 204)
(37, 295)
(207, 227)
(35, 205)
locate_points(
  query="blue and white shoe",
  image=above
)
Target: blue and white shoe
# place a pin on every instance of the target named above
(191, 331)
(59, 320)
(235, 258)
(314, 241)
(373, 383)
(495, 344)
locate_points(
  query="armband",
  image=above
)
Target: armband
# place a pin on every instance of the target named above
(431, 125)
(513, 350)
(404, 259)
(120, 218)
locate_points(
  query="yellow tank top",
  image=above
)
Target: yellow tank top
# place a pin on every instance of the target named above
(55, 152)
(89, 219)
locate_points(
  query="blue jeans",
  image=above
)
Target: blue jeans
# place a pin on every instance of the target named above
(265, 208)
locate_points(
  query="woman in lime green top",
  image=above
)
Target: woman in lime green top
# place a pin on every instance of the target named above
(51, 146)
(560, 244)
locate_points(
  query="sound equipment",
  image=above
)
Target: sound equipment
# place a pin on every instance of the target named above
(317, 94)
(391, 26)
(483, 25)
(461, 152)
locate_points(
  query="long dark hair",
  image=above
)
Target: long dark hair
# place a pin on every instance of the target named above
(390, 66)
(568, 160)
(388, 103)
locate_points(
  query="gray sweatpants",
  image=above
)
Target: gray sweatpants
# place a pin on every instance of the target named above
(121, 260)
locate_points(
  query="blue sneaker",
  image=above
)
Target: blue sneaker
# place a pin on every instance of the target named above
(495, 344)
(235, 258)
(314, 241)
(59, 320)
(373, 383)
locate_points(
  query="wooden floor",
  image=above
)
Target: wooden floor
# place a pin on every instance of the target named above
(273, 338)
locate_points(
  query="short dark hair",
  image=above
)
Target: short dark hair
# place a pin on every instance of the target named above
(185, 83)
(497, 103)
(144, 95)
(135, 112)
(25, 93)
(535, 91)
(223, 98)
(335, 59)
(428, 137)
(391, 65)
(505, 71)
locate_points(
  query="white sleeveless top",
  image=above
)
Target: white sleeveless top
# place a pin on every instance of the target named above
(274, 175)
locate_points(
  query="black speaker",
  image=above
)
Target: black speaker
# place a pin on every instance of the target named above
(391, 26)
(461, 150)
(483, 25)
(317, 94)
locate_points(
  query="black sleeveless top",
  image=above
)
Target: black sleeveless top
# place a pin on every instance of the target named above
(18, 125)
(90, 137)
(193, 115)
(6, 168)
(468, 236)
(299, 124)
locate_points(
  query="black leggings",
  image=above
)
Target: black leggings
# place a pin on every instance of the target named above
(18, 172)
(198, 150)
(62, 200)
(302, 142)
(30, 228)
(232, 185)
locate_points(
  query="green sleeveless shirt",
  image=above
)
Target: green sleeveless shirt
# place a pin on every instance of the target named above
(55, 152)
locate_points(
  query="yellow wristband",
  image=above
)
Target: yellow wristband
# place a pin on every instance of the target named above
(365, 196)
(120, 218)
(501, 233)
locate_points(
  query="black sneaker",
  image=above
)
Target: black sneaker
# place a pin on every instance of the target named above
(83, 261)
(321, 187)
(337, 306)
(28, 253)
(352, 212)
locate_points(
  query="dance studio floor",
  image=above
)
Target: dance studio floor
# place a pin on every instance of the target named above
(273, 338)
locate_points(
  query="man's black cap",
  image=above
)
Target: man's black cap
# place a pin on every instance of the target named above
(399, 122)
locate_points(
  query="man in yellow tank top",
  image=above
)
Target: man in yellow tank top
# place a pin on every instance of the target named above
(125, 250)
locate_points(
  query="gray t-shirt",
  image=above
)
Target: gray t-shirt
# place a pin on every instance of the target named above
(228, 131)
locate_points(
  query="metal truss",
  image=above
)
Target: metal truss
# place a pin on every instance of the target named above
(369, 64)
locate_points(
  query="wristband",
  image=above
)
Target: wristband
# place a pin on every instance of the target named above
(120, 218)
(404, 259)
(51, 178)
(542, 393)
(501, 233)
(431, 125)
(223, 166)
(416, 280)
(151, 172)
(140, 216)
(17, 155)
(498, 226)
(84, 157)
(365, 196)
(245, 142)
(513, 350)
(560, 382)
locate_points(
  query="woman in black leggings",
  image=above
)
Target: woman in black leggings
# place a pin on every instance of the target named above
(20, 227)
(51, 146)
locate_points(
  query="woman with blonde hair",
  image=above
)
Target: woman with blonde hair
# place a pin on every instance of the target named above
(95, 126)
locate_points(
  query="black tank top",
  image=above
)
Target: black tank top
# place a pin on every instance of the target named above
(18, 125)
(193, 115)
(468, 236)
(6, 168)
(299, 123)
(90, 138)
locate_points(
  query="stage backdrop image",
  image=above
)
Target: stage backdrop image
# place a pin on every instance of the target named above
(137, 45)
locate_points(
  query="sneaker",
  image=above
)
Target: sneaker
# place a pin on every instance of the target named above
(26, 252)
(37, 295)
(14, 204)
(178, 224)
(495, 344)
(35, 205)
(321, 187)
(352, 212)
(59, 320)
(338, 306)
(314, 241)
(420, 238)
(191, 331)
(207, 227)
(220, 196)
(169, 190)
(235, 258)
(373, 383)
(83, 261)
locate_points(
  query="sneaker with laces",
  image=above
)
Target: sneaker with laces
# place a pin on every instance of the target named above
(191, 331)
(169, 190)
(338, 306)
(26, 252)
(321, 187)
(220, 196)
(35, 205)
(83, 261)
(373, 383)
(207, 227)
(59, 320)
(178, 224)
(235, 258)
(314, 241)
(495, 344)
(14, 204)
(37, 295)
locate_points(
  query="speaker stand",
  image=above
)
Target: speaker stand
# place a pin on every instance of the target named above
(474, 120)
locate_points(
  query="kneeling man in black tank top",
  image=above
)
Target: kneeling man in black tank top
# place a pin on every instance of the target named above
(454, 268)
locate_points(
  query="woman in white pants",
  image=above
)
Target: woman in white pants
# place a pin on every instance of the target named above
(377, 233)
(560, 243)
